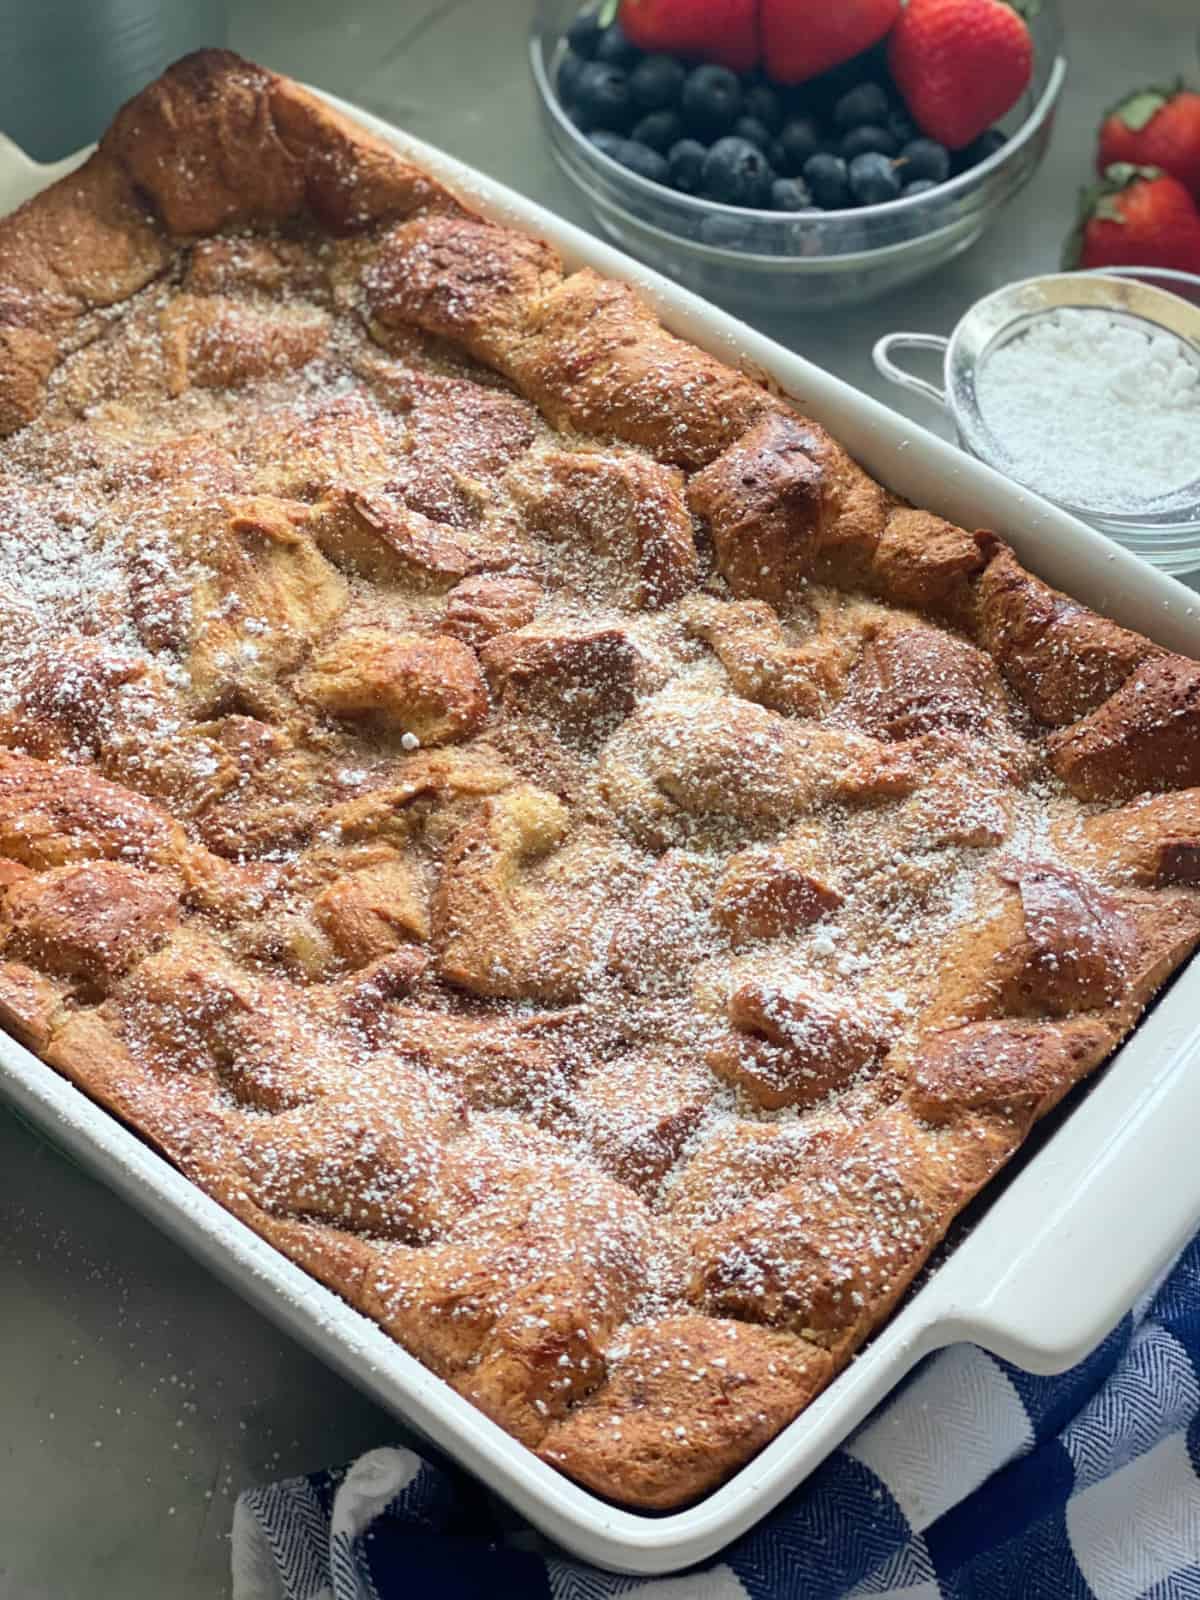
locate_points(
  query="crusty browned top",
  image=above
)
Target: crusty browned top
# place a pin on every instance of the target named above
(511, 808)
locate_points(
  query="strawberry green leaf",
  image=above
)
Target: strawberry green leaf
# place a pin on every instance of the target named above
(1122, 173)
(1137, 108)
(607, 14)
(1107, 210)
(1140, 109)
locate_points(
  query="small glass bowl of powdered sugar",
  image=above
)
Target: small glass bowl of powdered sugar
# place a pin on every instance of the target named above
(1086, 388)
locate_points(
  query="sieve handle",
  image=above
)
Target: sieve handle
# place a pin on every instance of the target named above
(895, 373)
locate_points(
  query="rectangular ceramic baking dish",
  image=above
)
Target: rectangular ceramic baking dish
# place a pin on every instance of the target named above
(1063, 1247)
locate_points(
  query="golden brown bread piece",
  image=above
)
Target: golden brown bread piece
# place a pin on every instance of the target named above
(27, 358)
(665, 927)
(793, 1046)
(764, 664)
(496, 934)
(1016, 1069)
(366, 913)
(53, 815)
(406, 683)
(307, 452)
(210, 342)
(1144, 736)
(1061, 659)
(783, 500)
(90, 922)
(820, 1256)
(736, 1384)
(477, 609)
(582, 684)
(596, 359)
(463, 279)
(625, 1055)
(615, 508)
(1059, 943)
(29, 1003)
(639, 1111)
(1153, 841)
(525, 1357)
(925, 562)
(915, 680)
(381, 538)
(765, 892)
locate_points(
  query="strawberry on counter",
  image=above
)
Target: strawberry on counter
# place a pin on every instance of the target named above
(1138, 217)
(960, 65)
(800, 41)
(724, 31)
(1155, 128)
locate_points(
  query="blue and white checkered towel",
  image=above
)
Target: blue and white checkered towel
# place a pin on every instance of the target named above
(975, 1481)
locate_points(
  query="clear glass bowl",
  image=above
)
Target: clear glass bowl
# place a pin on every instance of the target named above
(775, 261)
(1163, 530)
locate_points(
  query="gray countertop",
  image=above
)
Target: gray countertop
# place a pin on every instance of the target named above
(137, 1395)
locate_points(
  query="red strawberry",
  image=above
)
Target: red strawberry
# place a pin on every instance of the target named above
(725, 31)
(799, 41)
(1138, 217)
(960, 65)
(1156, 128)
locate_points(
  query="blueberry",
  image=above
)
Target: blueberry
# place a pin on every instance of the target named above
(687, 165)
(868, 103)
(919, 186)
(799, 139)
(712, 100)
(873, 179)
(614, 48)
(727, 233)
(869, 137)
(902, 127)
(828, 180)
(568, 76)
(656, 82)
(763, 102)
(790, 194)
(645, 162)
(737, 173)
(606, 141)
(756, 132)
(584, 34)
(868, 67)
(660, 130)
(980, 149)
(924, 158)
(602, 96)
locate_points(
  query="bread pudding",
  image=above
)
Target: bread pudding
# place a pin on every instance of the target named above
(509, 808)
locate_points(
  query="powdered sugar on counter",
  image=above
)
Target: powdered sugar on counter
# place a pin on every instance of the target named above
(1094, 408)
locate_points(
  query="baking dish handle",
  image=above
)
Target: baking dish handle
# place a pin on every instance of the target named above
(895, 373)
(1098, 1228)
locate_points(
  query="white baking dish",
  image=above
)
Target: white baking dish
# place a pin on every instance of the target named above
(1054, 1261)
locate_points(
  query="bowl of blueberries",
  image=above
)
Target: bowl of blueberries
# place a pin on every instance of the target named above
(776, 195)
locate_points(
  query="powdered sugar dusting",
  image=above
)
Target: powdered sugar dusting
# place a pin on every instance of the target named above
(448, 873)
(1094, 408)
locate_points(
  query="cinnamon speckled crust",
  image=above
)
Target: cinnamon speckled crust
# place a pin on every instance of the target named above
(1060, 658)
(1144, 736)
(683, 1397)
(511, 808)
